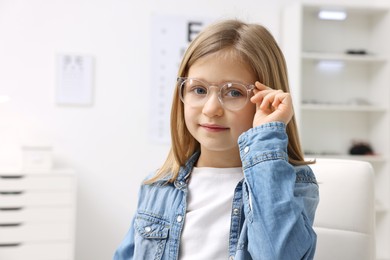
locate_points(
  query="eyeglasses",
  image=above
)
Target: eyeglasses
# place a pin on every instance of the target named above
(232, 95)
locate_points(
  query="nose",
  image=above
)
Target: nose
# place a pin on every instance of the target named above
(213, 106)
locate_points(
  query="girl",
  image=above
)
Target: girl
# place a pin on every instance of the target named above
(235, 184)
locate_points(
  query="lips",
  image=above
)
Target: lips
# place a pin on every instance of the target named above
(214, 127)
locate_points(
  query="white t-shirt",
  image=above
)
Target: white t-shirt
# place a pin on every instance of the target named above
(206, 229)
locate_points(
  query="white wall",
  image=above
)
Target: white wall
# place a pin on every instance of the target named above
(107, 143)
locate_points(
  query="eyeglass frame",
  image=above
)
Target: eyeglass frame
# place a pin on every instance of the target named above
(249, 88)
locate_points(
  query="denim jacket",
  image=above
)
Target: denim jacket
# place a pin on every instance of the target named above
(272, 214)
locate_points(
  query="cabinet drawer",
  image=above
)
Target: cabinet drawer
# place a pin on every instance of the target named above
(35, 232)
(36, 182)
(37, 214)
(26, 199)
(37, 251)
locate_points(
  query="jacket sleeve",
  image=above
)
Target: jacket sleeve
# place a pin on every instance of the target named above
(279, 219)
(125, 250)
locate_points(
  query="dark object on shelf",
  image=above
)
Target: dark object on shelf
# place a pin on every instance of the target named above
(361, 149)
(356, 52)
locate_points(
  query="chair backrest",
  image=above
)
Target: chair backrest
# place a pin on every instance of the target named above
(345, 217)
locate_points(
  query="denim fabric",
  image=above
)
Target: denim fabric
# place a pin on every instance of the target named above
(272, 214)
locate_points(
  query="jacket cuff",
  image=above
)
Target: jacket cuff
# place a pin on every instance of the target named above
(265, 142)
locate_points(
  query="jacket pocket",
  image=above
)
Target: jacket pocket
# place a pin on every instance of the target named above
(150, 237)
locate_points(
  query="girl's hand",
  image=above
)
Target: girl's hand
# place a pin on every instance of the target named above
(271, 105)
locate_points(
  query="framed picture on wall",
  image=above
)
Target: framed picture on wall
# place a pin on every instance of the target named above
(74, 79)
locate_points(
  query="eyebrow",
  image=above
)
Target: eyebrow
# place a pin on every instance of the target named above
(221, 81)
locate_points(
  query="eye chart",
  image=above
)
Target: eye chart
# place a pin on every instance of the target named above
(74, 79)
(170, 38)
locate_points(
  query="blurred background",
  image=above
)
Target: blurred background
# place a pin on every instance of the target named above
(112, 134)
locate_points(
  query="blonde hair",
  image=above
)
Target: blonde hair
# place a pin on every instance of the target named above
(255, 44)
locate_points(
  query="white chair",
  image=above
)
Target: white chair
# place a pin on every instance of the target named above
(345, 217)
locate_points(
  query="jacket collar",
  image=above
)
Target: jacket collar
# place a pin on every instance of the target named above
(186, 170)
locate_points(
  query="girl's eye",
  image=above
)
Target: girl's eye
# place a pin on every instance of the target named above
(199, 90)
(234, 93)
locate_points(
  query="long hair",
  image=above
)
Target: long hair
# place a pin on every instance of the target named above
(255, 44)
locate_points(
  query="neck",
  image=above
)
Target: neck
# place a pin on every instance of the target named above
(218, 159)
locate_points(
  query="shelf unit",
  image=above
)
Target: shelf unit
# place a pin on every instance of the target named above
(37, 214)
(342, 98)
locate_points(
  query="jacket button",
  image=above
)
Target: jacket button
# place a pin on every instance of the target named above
(148, 229)
(179, 218)
(231, 257)
(179, 184)
(236, 211)
(246, 149)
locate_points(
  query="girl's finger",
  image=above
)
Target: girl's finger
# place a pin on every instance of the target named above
(279, 99)
(260, 86)
(260, 94)
(270, 98)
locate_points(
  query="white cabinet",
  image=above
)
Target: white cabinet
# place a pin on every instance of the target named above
(339, 75)
(37, 215)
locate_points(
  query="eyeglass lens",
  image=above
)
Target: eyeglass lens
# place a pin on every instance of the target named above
(195, 93)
